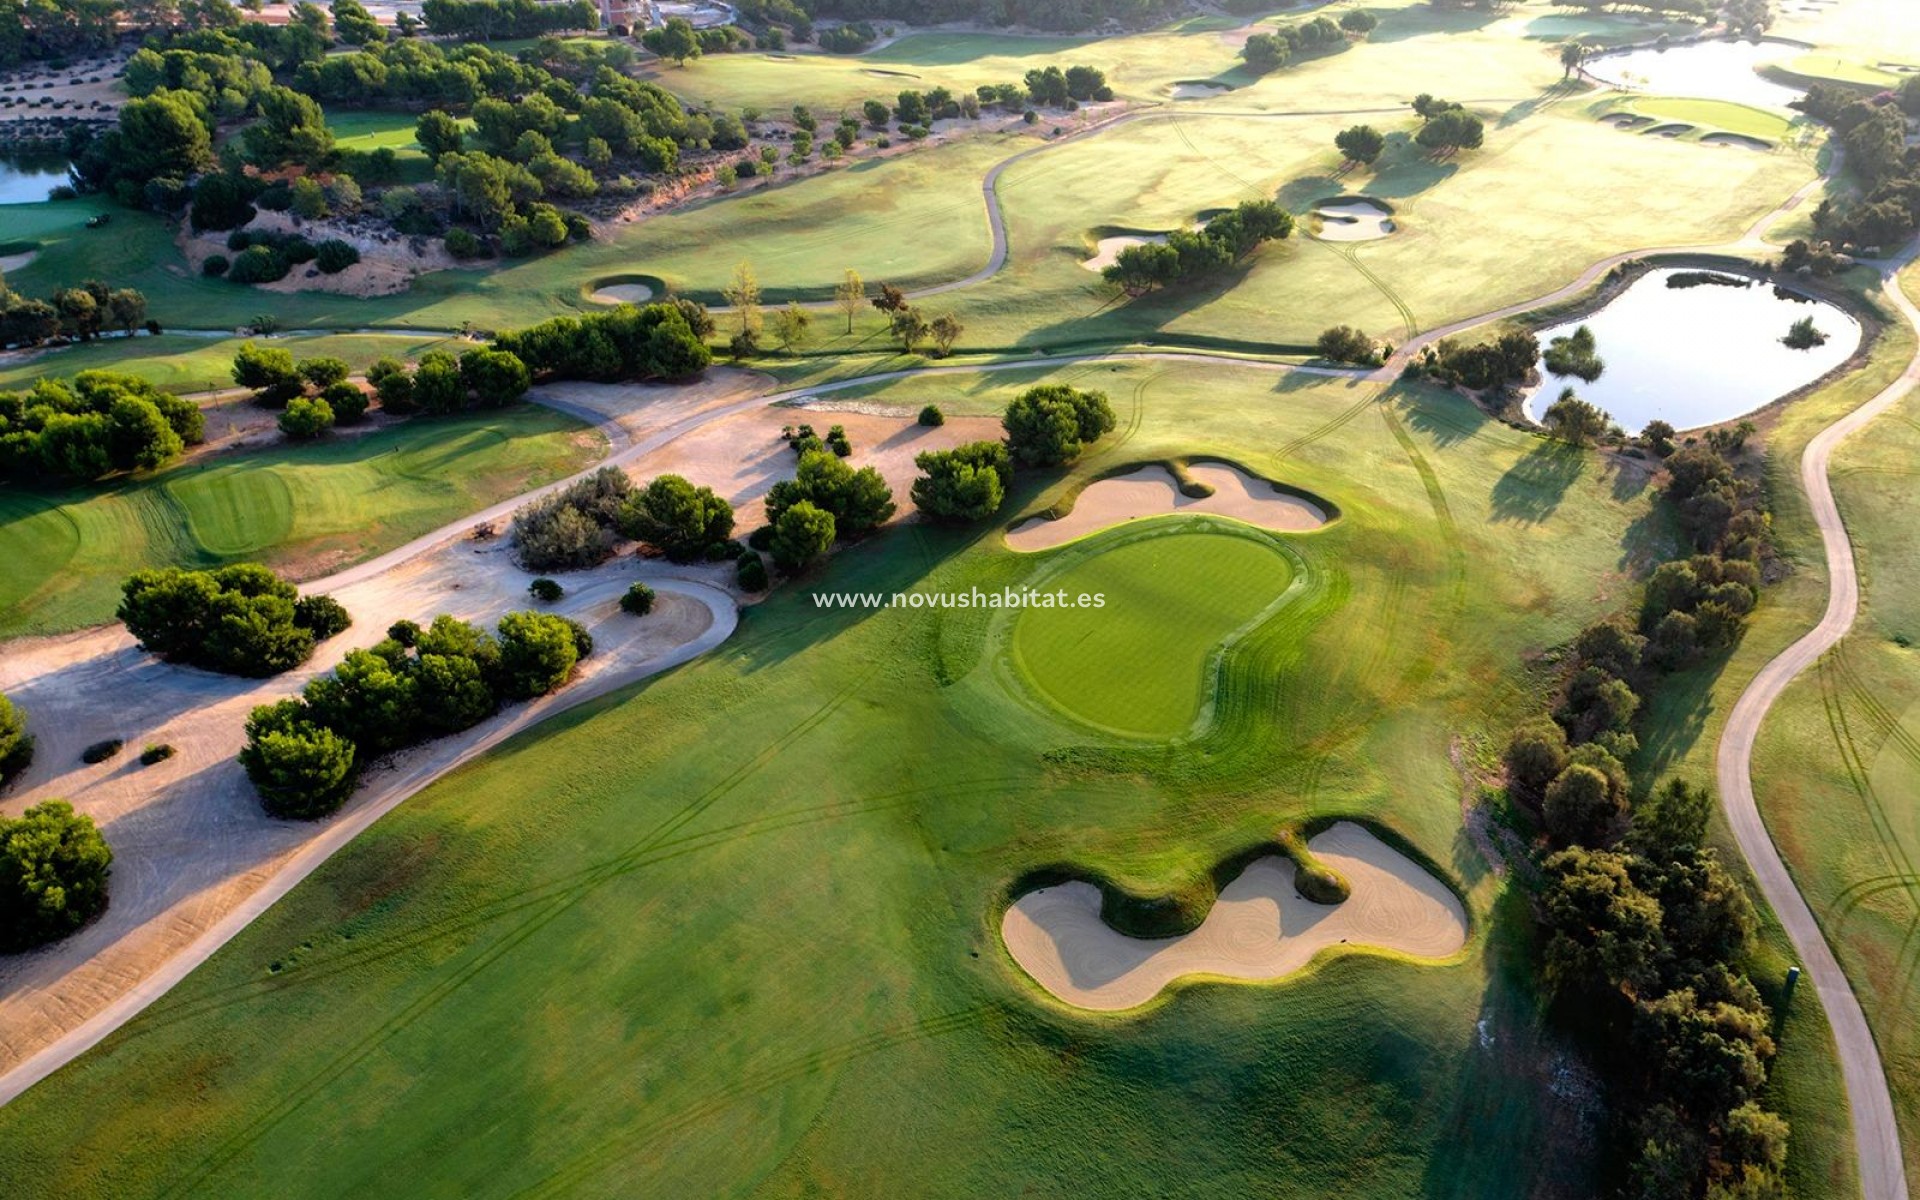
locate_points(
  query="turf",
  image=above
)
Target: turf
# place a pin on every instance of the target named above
(1142, 663)
(1706, 116)
(742, 848)
(302, 508)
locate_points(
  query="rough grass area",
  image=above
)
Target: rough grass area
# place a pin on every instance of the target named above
(525, 946)
(302, 508)
(1143, 661)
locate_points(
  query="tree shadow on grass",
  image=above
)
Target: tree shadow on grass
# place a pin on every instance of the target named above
(1446, 417)
(1407, 170)
(1674, 720)
(1532, 489)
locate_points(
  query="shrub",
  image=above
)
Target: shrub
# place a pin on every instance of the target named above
(258, 264)
(801, 535)
(684, 521)
(323, 616)
(751, 573)
(16, 744)
(1345, 344)
(100, 752)
(157, 753)
(334, 256)
(537, 654)
(967, 483)
(573, 528)
(240, 619)
(53, 874)
(638, 600)
(215, 266)
(462, 244)
(305, 418)
(932, 417)
(301, 769)
(1312, 878)
(347, 401)
(268, 370)
(546, 590)
(1047, 426)
(405, 633)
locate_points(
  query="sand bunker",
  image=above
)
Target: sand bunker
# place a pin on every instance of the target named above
(1625, 120)
(1259, 929)
(14, 262)
(622, 293)
(1195, 90)
(1353, 221)
(1736, 139)
(1669, 131)
(1107, 250)
(1151, 491)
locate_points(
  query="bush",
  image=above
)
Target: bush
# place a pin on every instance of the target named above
(573, 528)
(967, 483)
(258, 264)
(1312, 878)
(546, 590)
(16, 744)
(53, 874)
(305, 419)
(157, 753)
(751, 574)
(404, 633)
(240, 619)
(301, 769)
(334, 256)
(1345, 344)
(323, 616)
(638, 600)
(537, 654)
(215, 266)
(100, 752)
(932, 417)
(801, 535)
(1047, 426)
(347, 401)
(684, 521)
(462, 244)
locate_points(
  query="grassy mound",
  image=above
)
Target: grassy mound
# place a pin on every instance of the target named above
(1313, 878)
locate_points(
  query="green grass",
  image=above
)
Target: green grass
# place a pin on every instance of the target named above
(709, 935)
(1843, 69)
(1706, 116)
(1142, 663)
(303, 508)
(367, 131)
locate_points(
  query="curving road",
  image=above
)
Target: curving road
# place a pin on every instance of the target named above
(1876, 1132)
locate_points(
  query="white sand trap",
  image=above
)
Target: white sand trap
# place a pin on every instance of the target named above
(1151, 491)
(1107, 250)
(622, 293)
(1353, 221)
(14, 262)
(1259, 929)
(1736, 139)
(1669, 131)
(1199, 91)
(1625, 120)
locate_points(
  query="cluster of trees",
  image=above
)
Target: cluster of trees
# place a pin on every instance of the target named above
(1575, 354)
(1575, 421)
(1264, 52)
(484, 20)
(16, 744)
(1345, 344)
(1506, 360)
(313, 393)
(239, 620)
(965, 484)
(1874, 133)
(825, 500)
(94, 424)
(1446, 126)
(664, 340)
(1049, 425)
(78, 313)
(53, 874)
(304, 755)
(1191, 254)
(578, 526)
(440, 384)
(911, 326)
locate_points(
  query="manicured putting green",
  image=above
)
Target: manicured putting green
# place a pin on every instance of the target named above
(1140, 664)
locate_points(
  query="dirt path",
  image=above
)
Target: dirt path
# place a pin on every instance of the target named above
(1876, 1132)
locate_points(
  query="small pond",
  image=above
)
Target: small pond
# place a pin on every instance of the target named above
(1694, 356)
(25, 180)
(1706, 70)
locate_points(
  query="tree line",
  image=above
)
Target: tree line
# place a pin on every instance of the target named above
(79, 314)
(92, 425)
(240, 619)
(1874, 134)
(1264, 53)
(304, 755)
(1644, 932)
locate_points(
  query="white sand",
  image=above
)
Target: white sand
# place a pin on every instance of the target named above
(1260, 928)
(1198, 91)
(1151, 491)
(13, 262)
(1107, 250)
(622, 293)
(1353, 221)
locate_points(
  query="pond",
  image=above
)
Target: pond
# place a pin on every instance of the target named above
(26, 180)
(1705, 70)
(1694, 356)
